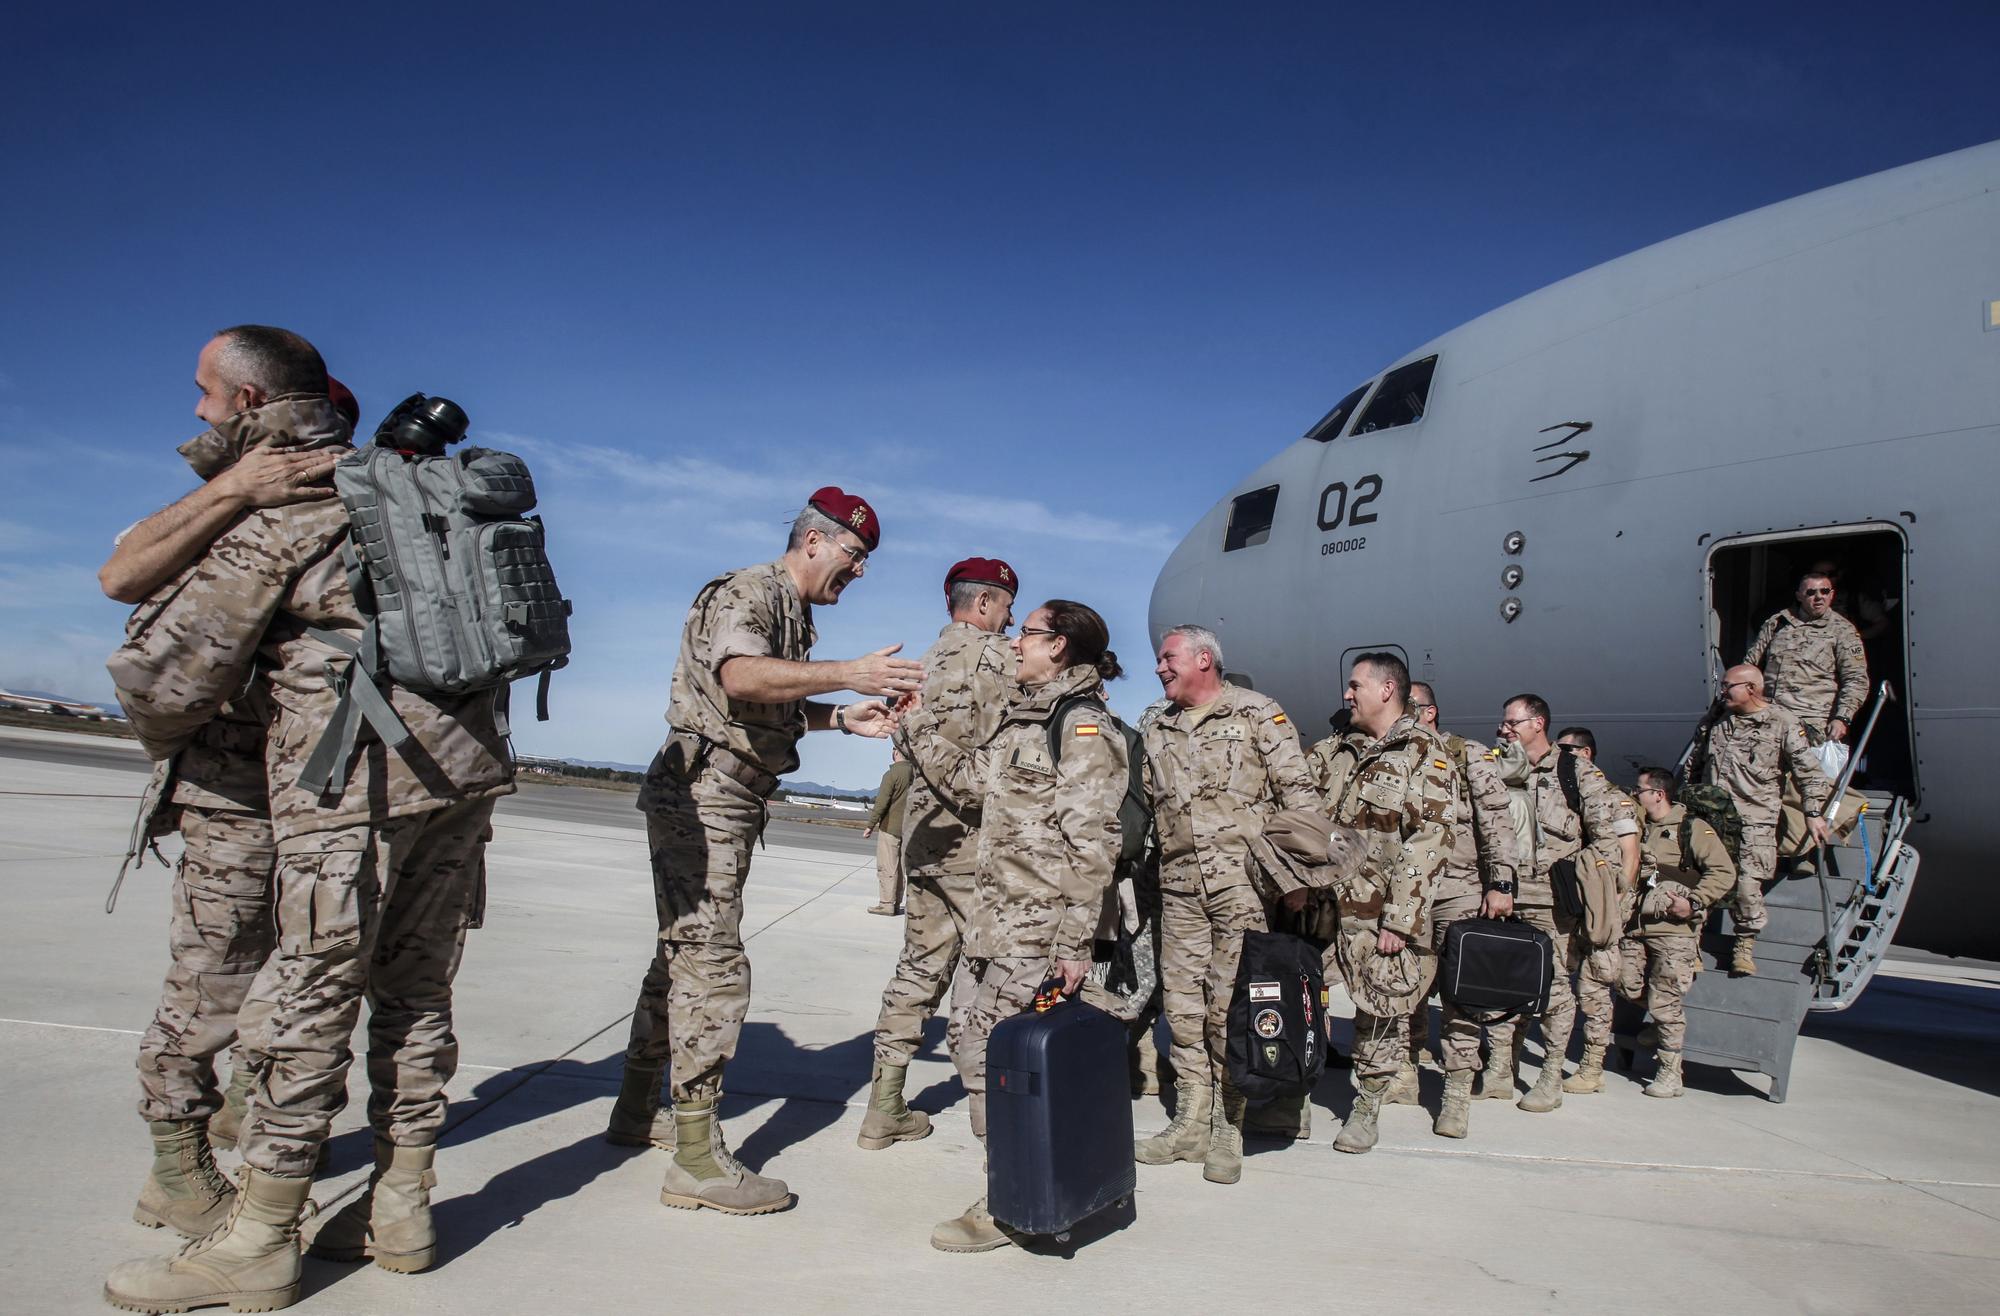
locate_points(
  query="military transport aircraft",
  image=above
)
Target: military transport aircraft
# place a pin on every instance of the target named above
(1600, 490)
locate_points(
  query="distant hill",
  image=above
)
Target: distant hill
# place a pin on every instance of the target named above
(798, 787)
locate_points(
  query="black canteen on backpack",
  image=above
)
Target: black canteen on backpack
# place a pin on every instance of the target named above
(1058, 1117)
(1277, 1017)
(1497, 967)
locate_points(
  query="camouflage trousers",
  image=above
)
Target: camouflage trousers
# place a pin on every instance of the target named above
(937, 907)
(696, 992)
(220, 935)
(1758, 869)
(1599, 971)
(1664, 968)
(1458, 1036)
(1559, 1020)
(379, 912)
(1385, 990)
(889, 868)
(1001, 989)
(1201, 942)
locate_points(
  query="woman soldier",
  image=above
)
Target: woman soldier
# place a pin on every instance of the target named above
(1047, 786)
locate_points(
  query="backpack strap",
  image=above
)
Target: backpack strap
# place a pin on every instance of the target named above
(1061, 711)
(1572, 790)
(359, 700)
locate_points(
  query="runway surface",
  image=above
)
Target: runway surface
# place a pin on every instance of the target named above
(1876, 1187)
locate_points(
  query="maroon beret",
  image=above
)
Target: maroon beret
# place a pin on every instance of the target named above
(851, 510)
(344, 400)
(983, 571)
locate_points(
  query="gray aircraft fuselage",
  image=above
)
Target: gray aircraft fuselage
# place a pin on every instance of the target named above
(1605, 477)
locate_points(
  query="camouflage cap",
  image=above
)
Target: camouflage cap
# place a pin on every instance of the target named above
(851, 510)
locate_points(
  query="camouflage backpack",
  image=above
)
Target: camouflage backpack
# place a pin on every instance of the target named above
(1135, 811)
(1713, 806)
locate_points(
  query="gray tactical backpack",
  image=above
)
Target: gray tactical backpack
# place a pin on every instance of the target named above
(450, 571)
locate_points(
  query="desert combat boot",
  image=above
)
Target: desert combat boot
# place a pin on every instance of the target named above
(975, 1231)
(1456, 1112)
(1547, 1094)
(636, 1119)
(704, 1174)
(1224, 1161)
(390, 1223)
(1589, 1075)
(184, 1191)
(1403, 1089)
(1186, 1136)
(1743, 956)
(1667, 1078)
(1503, 1063)
(889, 1119)
(250, 1263)
(1358, 1134)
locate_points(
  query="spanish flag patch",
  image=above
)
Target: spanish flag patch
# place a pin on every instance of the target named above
(1087, 729)
(1278, 719)
(1439, 764)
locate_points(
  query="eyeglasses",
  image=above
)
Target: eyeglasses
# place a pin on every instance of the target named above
(1414, 705)
(1727, 686)
(1816, 593)
(1649, 790)
(1507, 722)
(1026, 631)
(858, 556)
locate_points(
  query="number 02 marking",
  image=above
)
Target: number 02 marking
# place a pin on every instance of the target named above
(1366, 489)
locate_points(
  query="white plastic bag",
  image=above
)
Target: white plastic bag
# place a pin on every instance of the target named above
(1832, 759)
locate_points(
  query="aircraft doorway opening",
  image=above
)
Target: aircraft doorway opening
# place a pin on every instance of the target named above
(1749, 579)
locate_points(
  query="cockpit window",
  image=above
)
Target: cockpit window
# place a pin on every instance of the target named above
(1401, 400)
(1333, 422)
(1250, 519)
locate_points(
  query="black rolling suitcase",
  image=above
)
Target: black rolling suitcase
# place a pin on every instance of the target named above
(1493, 968)
(1058, 1118)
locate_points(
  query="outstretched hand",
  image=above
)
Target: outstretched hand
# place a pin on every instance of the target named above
(882, 673)
(871, 718)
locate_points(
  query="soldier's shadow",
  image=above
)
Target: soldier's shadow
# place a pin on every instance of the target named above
(812, 1086)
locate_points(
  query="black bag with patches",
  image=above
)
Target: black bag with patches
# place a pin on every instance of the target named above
(1496, 968)
(1277, 1017)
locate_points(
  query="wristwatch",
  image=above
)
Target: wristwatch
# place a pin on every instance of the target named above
(840, 720)
(1504, 888)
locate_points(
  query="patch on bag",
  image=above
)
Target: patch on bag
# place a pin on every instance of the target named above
(1268, 1023)
(1266, 991)
(1270, 1053)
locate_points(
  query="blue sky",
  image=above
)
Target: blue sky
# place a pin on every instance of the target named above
(1040, 280)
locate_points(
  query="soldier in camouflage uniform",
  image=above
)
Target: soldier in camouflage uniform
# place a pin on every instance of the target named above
(968, 679)
(1815, 667)
(1047, 786)
(1596, 833)
(1402, 798)
(1219, 764)
(377, 877)
(1749, 752)
(740, 703)
(1478, 873)
(1691, 870)
(1603, 968)
(213, 794)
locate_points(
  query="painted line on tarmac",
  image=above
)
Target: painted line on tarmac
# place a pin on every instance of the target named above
(1596, 1162)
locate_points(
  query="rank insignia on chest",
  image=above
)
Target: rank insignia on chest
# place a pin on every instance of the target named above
(1227, 731)
(1087, 729)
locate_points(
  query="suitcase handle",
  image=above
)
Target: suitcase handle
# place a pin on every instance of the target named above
(1049, 995)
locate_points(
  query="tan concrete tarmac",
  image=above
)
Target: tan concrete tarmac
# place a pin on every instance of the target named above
(1875, 1188)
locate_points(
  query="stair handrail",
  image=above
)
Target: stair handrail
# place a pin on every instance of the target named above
(1883, 694)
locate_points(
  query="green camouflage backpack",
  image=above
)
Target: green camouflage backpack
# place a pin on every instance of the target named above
(1713, 806)
(1135, 810)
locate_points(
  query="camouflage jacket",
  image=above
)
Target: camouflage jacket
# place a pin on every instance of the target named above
(968, 680)
(1215, 778)
(1401, 798)
(752, 613)
(1482, 847)
(1748, 755)
(1331, 762)
(236, 621)
(1816, 670)
(1048, 830)
(1705, 876)
(1558, 833)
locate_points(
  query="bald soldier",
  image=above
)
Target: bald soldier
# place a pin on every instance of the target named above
(741, 700)
(1402, 801)
(1750, 752)
(213, 793)
(1814, 664)
(1477, 882)
(1219, 764)
(968, 680)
